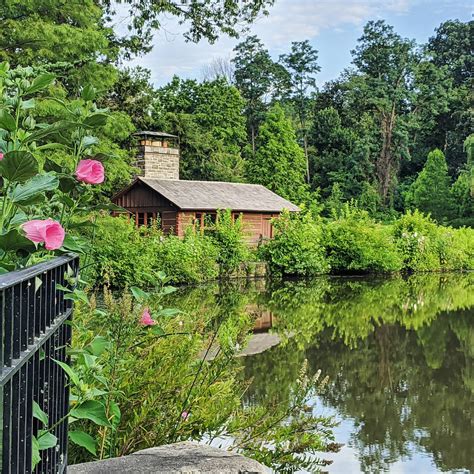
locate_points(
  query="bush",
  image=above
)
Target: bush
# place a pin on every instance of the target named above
(227, 235)
(297, 248)
(354, 242)
(189, 260)
(124, 255)
(418, 241)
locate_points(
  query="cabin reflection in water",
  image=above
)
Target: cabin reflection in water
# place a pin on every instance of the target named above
(264, 319)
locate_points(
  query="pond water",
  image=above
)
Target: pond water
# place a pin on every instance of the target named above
(399, 353)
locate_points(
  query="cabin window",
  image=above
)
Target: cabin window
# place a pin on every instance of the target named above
(147, 219)
(203, 220)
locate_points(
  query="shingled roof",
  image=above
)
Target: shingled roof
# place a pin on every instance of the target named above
(213, 195)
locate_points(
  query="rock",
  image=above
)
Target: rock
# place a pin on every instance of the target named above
(187, 457)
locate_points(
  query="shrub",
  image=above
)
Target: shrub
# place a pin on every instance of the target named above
(418, 241)
(297, 248)
(456, 248)
(124, 255)
(354, 242)
(227, 235)
(189, 260)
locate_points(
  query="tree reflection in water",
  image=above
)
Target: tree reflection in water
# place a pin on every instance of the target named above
(399, 353)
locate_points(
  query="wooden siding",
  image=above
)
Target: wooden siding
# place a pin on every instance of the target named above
(256, 225)
(141, 198)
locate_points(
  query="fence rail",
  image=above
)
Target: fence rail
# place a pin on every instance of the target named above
(34, 331)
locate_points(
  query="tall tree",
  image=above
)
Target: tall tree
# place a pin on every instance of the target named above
(279, 162)
(70, 39)
(430, 192)
(385, 62)
(209, 119)
(258, 78)
(463, 188)
(302, 65)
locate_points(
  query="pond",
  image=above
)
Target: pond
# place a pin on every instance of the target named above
(399, 353)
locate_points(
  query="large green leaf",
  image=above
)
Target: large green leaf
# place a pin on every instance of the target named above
(7, 122)
(46, 440)
(24, 193)
(84, 440)
(41, 82)
(91, 410)
(13, 240)
(73, 377)
(48, 130)
(96, 120)
(35, 454)
(39, 414)
(18, 166)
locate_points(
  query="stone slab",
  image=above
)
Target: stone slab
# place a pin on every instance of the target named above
(182, 458)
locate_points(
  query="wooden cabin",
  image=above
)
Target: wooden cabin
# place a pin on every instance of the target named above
(177, 204)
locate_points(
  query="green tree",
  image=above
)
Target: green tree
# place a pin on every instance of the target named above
(258, 79)
(302, 65)
(463, 188)
(208, 117)
(70, 39)
(279, 162)
(430, 192)
(385, 62)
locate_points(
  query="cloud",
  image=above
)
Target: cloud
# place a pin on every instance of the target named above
(289, 20)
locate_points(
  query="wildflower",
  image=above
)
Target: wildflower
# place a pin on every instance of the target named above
(1, 156)
(146, 319)
(90, 171)
(185, 415)
(47, 231)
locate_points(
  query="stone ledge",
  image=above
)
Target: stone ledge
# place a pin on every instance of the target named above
(182, 458)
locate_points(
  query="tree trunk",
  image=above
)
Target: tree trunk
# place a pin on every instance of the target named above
(385, 162)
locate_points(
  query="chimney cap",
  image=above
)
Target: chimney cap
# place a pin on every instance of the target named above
(154, 134)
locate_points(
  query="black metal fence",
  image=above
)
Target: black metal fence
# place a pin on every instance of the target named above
(33, 332)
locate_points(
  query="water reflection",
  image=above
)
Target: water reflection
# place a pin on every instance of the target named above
(399, 353)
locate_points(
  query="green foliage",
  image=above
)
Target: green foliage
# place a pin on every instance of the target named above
(279, 161)
(209, 120)
(356, 243)
(297, 247)
(430, 192)
(227, 235)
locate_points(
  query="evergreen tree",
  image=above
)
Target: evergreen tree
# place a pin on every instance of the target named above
(279, 162)
(430, 192)
(302, 65)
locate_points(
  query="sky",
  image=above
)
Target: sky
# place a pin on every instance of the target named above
(332, 27)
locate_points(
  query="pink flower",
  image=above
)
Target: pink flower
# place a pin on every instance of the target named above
(146, 319)
(45, 231)
(90, 171)
(1, 156)
(185, 415)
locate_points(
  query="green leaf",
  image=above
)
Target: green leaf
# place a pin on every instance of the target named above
(48, 130)
(75, 243)
(46, 440)
(116, 414)
(157, 330)
(77, 295)
(7, 122)
(88, 93)
(98, 345)
(69, 371)
(89, 141)
(84, 440)
(91, 410)
(139, 294)
(18, 166)
(168, 312)
(35, 453)
(96, 120)
(19, 218)
(13, 240)
(39, 414)
(50, 165)
(24, 193)
(41, 82)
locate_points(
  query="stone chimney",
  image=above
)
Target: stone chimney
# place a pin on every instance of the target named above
(158, 155)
